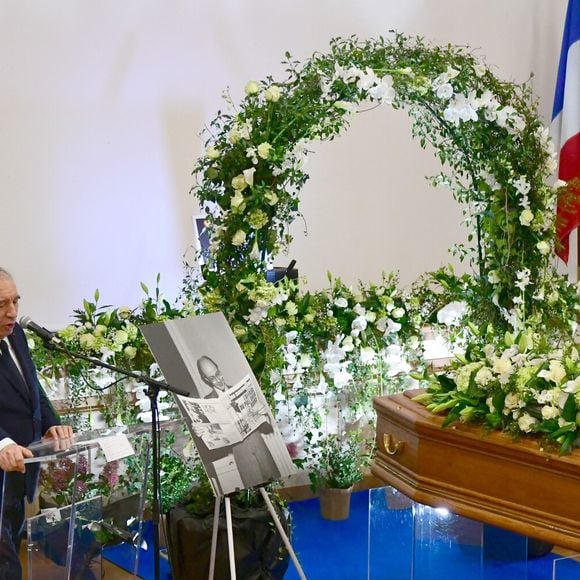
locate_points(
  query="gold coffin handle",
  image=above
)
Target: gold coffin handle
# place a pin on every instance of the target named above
(392, 447)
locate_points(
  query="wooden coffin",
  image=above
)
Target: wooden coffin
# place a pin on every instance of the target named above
(489, 477)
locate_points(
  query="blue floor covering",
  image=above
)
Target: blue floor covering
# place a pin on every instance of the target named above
(338, 550)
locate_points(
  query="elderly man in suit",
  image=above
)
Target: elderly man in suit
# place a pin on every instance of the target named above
(25, 416)
(253, 458)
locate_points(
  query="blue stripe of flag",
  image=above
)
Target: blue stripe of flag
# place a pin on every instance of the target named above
(571, 35)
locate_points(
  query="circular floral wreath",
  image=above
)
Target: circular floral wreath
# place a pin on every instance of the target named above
(486, 132)
(496, 157)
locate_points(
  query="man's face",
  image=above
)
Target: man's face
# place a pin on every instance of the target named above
(211, 374)
(9, 298)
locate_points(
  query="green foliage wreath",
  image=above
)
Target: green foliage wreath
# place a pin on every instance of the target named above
(496, 152)
(497, 158)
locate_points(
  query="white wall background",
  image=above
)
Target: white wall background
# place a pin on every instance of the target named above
(101, 104)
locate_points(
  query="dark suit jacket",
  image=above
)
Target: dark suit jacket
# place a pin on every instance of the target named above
(24, 415)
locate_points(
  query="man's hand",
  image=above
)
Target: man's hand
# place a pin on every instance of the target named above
(61, 435)
(12, 457)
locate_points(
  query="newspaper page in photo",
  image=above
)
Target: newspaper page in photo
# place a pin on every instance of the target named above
(227, 414)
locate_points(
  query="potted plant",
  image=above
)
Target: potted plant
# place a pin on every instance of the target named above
(258, 547)
(341, 464)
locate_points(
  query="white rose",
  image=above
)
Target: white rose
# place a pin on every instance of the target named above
(252, 88)
(347, 344)
(493, 277)
(341, 302)
(543, 247)
(526, 422)
(549, 412)
(273, 93)
(483, 376)
(371, 316)
(100, 330)
(502, 366)
(237, 199)
(526, 217)
(271, 198)
(130, 352)
(264, 150)
(239, 238)
(239, 182)
(359, 323)
(398, 313)
(212, 153)
(291, 308)
(124, 312)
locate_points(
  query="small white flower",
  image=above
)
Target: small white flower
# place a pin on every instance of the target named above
(359, 323)
(483, 376)
(543, 247)
(549, 412)
(239, 182)
(264, 150)
(239, 238)
(445, 91)
(273, 93)
(398, 313)
(367, 355)
(452, 313)
(249, 176)
(212, 153)
(341, 302)
(526, 422)
(479, 70)
(252, 88)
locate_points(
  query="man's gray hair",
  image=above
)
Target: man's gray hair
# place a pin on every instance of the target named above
(5, 273)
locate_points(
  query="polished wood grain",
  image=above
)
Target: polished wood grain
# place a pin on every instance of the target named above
(489, 477)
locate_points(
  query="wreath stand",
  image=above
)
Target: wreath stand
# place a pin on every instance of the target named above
(230, 535)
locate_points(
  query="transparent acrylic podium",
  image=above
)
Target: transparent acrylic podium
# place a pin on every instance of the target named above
(65, 542)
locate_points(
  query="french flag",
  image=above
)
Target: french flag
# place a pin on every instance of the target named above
(565, 127)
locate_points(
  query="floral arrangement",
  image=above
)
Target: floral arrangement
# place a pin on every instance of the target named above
(329, 350)
(521, 385)
(487, 133)
(321, 356)
(340, 461)
(57, 480)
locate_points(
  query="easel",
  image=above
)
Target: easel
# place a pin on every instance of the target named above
(230, 535)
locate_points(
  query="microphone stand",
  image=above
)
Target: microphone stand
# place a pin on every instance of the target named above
(153, 387)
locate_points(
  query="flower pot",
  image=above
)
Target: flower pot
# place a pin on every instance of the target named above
(335, 503)
(259, 549)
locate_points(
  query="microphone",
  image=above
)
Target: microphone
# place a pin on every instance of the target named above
(28, 323)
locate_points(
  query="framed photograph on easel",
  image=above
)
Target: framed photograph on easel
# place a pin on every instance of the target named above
(226, 412)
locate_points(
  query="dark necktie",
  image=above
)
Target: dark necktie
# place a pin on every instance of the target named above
(7, 362)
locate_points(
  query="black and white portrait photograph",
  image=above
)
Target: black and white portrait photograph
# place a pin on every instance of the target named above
(226, 412)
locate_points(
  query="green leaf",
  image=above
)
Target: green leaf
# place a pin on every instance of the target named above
(570, 409)
(447, 384)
